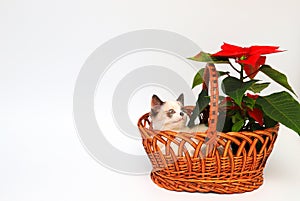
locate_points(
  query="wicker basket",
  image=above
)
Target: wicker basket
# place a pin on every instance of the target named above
(210, 170)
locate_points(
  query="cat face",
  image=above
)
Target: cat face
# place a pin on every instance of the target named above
(168, 115)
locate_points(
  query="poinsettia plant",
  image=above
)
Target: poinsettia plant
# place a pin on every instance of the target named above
(243, 107)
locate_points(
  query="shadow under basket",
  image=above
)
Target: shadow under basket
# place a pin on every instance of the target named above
(219, 162)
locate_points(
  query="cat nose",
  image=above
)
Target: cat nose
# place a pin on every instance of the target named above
(181, 114)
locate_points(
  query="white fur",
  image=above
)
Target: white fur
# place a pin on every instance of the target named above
(177, 123)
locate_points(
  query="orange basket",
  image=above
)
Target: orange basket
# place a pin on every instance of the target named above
(206, 168)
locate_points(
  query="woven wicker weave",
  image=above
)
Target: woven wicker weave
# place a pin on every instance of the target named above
(207, 169)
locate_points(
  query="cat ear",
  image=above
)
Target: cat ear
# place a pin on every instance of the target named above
(156, 101)
(181, 99)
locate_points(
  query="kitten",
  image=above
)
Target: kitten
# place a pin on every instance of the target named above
(171, 115)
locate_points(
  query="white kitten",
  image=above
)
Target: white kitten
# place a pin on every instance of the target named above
(170, 115)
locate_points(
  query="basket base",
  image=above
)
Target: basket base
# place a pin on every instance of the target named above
(226, 186)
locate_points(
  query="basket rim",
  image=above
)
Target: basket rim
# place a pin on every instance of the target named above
(147, 115)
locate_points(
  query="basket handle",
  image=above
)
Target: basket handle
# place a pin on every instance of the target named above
(211, 78)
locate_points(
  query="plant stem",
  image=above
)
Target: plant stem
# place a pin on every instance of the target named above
(234, 67)
(242, 73)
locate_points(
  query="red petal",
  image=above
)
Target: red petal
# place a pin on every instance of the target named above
(261, 61)
(250, 60)
(252, 96)
(234, 108)
(263, 50)
(227, 46)
(250, 71)
(252, 64)
(231, 51)
(257, 115)
(227, 98)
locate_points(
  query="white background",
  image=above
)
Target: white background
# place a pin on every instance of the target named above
(43, 45)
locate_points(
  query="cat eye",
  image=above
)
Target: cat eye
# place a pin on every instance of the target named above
(171, 111)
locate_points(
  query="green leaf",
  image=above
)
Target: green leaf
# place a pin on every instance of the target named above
(221, 98)
(235, 88)
(257, 88)
(202, 102)
(238, 126)
(249, 102)
(283, 108)
(208, 58)
(269, 123)
(277, 76)
(237, 117)
(198, 79)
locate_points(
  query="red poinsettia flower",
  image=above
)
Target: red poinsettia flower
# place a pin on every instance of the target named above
(252, 64)
(257, 115)
(250, 57)
(252, 96)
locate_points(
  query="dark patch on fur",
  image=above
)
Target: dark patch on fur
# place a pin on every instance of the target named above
(153, 113)
(155, 110)
(155, 101)
(169, 115)
(181, 99)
